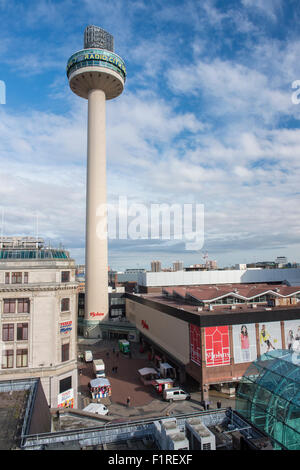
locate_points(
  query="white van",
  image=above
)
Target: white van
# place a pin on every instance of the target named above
(171, 394)
(88, 356)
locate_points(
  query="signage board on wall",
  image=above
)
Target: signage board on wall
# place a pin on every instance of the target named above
(66, 326)
(195, 344)
(217, 348)
(291, 333)
(66, 399)
(244, 343)
(269, 336)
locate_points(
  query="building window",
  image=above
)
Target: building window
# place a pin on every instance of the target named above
(22, 331)
(65, 276)
(8, 332)
(25, 278)
(9, 306)
(7, 278)
(117, 301)
(116, 312)
(22, 357)
(16, 278)
(65, 305)
(8, 359)
(23, 306)
(65, 352)
(65, 384)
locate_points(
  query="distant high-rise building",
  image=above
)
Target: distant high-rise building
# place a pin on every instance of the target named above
(178, 266)
(211, 264)
(155, 266)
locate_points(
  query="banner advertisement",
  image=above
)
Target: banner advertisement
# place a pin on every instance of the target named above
(244, 343)
(66, 399)
(66, 326)
(269, 336)
(195, 344)
(217, 349)
(292, 334)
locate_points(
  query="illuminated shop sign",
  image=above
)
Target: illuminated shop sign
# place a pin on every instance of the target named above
(96, 314)
(145, 324)
(66, 326)
(96, 55)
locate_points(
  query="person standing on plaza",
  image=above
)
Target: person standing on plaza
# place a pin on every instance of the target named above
(128, 402)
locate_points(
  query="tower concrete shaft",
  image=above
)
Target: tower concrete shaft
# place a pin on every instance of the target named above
(96, 262)
(97, 74)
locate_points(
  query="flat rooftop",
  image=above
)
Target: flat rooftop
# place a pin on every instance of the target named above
(225, 298)
(12, 408)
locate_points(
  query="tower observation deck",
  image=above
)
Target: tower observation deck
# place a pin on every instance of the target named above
(97, 74)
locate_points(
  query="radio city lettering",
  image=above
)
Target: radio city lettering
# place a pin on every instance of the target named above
(112, 59)
(96, 314)
(145, 325)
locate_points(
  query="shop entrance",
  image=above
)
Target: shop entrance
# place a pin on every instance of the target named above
(116, 335)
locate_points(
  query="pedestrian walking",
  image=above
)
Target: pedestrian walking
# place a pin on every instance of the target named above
(219, 404)
(128, 402)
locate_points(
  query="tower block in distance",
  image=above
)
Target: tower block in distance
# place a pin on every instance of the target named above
(97, 74)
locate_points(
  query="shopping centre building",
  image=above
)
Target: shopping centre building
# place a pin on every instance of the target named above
(211, 333)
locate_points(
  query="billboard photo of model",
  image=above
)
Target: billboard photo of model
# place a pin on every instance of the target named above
(244, 343)
(292, 334)
(269, 336)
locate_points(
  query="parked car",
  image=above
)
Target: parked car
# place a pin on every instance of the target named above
(88, 356)
(176, 393)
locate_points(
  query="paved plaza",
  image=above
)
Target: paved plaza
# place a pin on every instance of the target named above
(144, 400)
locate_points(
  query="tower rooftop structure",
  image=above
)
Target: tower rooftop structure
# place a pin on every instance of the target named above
(96, 66)
(97, 37)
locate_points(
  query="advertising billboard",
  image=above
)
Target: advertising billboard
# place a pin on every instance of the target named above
(217, 348)
(195, 344)
(269, 336)
(291, 334)
(244, 343)
(66, 399)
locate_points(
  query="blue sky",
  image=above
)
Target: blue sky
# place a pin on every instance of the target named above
(206, 117)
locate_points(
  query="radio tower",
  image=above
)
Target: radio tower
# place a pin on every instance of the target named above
(97, 74)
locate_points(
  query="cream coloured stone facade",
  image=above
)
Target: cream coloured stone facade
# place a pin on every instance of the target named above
(38, 321)
(171, 334)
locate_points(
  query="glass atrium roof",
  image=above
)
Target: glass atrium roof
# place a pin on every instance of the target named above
(269, 397)
(33, 254)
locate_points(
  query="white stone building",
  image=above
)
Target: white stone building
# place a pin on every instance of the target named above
(38, 317)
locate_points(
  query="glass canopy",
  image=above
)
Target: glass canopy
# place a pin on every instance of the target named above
(269, 397)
